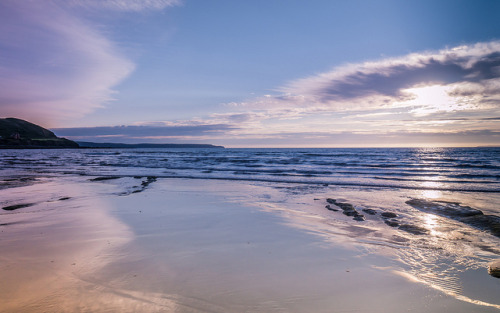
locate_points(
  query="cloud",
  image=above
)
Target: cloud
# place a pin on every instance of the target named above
(122, 5)
(445, 97)
(132, 133)
(450, 91)
(54, 65)
(471, 74)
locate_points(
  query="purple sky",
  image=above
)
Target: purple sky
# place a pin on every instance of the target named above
(255, 73)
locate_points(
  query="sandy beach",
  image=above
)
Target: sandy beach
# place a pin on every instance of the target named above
(183, 156)
(186, 245)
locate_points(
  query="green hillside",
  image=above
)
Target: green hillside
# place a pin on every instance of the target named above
(17, 133)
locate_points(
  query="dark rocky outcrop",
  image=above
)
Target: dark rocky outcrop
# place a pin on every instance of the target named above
(389, 218)
(359, 218)
(413, 229)
(490, 223)
(494, 269)
(388, 215)
(446, 209)
(453, 210)
(392, 223)
(20, 134)
(369, 211)
(461, 213)
(101, 178)
(146, 181)
(329, 207)
(17, 206)
(347, 209)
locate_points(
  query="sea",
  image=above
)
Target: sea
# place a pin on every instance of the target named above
(435, 210)
(447, 169)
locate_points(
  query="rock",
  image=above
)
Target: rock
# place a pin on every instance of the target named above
(370, 211)
(149, 180)
(342, 205)
(388, 215)
(494, 269)
(101, 178)
(345, 206)
(413, 229)
(143, 186)
(490, 223)
(461, 213)
(347, 209)
(329, 207)
(351, 212)
(447, 209)
(359, 218)
(392, 223)
(17, 206)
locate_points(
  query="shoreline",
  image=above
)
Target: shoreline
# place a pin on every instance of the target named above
(271, 181)
(188, 245)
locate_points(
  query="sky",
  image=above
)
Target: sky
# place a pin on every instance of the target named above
(260, 73)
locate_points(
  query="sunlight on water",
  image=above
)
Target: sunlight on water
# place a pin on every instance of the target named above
(431, 194)
(430, 222)
(426, 245)
(459, 169)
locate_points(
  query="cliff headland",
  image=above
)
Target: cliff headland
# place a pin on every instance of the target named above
(20, 134)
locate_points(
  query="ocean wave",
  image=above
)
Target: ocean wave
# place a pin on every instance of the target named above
(453, 169)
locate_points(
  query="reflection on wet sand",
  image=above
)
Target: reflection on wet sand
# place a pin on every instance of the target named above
(444, 258)
(203, 246)
(447, 286)
(49, 247)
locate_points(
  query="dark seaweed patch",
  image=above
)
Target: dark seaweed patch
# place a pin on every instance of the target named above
(17, 206)
(101, 178)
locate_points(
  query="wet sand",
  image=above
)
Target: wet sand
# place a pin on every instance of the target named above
(198, 246)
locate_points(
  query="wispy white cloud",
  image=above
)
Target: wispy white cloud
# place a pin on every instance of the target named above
(54, 65)
(122, 5)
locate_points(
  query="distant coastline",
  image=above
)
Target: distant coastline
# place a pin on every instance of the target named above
(86, 144)
(20, 134)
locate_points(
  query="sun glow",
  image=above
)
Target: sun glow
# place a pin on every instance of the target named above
(431, 99)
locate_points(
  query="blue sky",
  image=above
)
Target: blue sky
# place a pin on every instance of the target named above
(290, 73)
